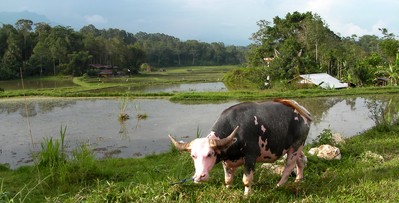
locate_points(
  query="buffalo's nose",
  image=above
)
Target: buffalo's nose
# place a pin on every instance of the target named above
(200, 178)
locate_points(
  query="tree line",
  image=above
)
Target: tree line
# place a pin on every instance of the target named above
(302, 43)
(38, 49)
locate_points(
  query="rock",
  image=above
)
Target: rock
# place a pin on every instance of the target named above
(337, 137)
(274, 168)
(372, 157)
(278, 166)
(327, 152)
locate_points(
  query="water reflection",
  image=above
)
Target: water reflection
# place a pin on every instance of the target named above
(95, 122)
(35, 84)
(189, 87)
(30, 108)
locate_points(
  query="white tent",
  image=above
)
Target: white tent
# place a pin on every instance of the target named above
(323, 80)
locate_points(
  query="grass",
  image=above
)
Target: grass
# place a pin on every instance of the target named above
(149, 179)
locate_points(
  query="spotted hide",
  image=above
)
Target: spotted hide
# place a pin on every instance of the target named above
(251, 132)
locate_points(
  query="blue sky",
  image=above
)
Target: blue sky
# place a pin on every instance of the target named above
(229, 21)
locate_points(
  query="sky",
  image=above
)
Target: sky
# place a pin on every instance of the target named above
(229, 21)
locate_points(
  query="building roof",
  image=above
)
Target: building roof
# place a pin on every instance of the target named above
(323, 80)
(100, 66)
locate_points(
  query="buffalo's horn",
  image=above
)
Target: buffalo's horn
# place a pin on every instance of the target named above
(225, 142)
(182, 146)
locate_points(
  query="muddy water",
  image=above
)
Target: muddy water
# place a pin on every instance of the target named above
(35, 84)
(24, 123)
(190, 87)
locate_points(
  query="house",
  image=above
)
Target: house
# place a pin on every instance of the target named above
(380, 81)
(323, 80)
(103, 70)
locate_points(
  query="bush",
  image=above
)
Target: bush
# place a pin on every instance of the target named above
(246, 78)
(325, 137)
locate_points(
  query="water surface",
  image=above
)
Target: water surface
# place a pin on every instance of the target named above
(24, 123)
(168, 88)
(35, 84)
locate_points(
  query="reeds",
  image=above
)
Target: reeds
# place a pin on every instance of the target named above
(123, 104)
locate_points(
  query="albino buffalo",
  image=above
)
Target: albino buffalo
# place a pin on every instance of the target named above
(251, 132)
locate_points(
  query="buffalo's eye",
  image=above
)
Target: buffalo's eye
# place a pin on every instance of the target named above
(211, 154)
(193, 156)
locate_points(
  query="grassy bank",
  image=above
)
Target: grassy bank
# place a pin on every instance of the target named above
(85, 91)
(355, 178)
(92, 87)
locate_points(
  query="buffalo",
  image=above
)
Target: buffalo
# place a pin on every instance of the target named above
(252, 132)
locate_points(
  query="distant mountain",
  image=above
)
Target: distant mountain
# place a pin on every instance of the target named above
(13, 17)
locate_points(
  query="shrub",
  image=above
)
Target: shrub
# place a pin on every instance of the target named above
(325, 137)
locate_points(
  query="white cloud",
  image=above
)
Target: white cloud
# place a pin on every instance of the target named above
(95, 19)
(349, 29)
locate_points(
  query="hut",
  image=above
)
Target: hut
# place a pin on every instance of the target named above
(323, 80)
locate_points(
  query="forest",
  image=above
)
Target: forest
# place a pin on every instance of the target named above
(300, 43)
(37, 49)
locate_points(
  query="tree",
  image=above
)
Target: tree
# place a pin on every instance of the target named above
(78, 63)
(24, 27)
(12, 57)
(62, 41)
(288, 37)
(389, 45)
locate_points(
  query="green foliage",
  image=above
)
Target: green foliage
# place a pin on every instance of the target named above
(246, 78)
(297, 43)
(145, 67)
(302, 43)
(78, 63)
(325, 137)
(52, 153)
(82, 168)
(61, 50)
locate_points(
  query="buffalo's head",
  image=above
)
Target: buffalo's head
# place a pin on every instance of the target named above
(204, 151)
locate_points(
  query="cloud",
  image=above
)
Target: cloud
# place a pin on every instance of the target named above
(95, 19)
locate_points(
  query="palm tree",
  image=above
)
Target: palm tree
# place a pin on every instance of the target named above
(392, 72)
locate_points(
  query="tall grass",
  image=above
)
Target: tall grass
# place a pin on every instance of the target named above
(123, 105)
(140, 114)
(52, 151)
(23, 195)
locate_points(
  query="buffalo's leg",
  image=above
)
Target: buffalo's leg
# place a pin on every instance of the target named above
(300, 165)
(228, 174)
(290, 163)
(247, 179)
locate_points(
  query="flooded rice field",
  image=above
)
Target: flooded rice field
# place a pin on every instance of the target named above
(35, 84)
(186, 87)
(25, 123)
